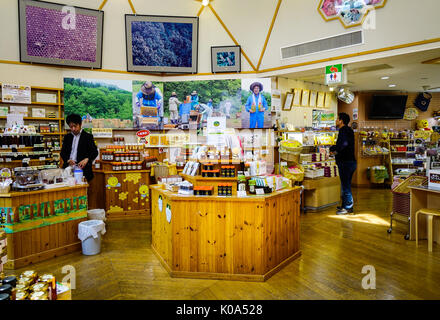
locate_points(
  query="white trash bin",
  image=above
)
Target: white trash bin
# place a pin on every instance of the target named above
(96, 214)
(89, 232)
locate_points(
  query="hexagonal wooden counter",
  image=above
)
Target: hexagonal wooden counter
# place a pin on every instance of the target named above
(229, 238)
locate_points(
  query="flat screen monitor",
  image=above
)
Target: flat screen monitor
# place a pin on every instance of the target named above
(387, 107)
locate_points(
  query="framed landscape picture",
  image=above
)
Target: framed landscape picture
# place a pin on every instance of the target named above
(288, 102)
(226, 59)
(52, 33)
(161, 43)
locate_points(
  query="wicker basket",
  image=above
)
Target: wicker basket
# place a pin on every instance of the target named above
(160, 171)
(291, 157)
(401, 203)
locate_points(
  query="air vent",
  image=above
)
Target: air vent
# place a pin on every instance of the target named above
(332, 43)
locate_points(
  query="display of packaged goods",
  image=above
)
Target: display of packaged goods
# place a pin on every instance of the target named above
(185, 188)
(203, 190)
(224, 189)
(170, 179)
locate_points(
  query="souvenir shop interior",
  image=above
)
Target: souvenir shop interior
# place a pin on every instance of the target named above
(186, 170)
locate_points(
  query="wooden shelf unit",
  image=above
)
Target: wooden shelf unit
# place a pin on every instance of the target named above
(59, 105)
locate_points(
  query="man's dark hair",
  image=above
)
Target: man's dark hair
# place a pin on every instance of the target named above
(344, 117)
(73, 118)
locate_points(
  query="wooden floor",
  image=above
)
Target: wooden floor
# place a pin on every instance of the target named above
(334, 250)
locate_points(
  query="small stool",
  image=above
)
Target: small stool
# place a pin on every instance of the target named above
(431, 213)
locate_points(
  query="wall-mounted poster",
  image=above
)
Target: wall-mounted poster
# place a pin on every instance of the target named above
(161, 43)
(58, 34)
(288, 102)
(320, 101)
(312, 99)
(305, 98)
(328, 100)
(297, 97)
(100, 103)
(256, 103)
(14, 93)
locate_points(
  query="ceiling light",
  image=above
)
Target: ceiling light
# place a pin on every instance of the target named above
(205, 2)
(385, 78)
(332, 89)
(392, 85)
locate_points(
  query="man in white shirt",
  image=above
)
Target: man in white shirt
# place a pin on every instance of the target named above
(79, 148)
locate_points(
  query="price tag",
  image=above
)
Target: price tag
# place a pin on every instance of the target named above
(2, 160)
(26, 160)
(5, 146)
(8, 159)
(241, 194)
(42, 158)
(13, 146)
(21, 146)
(284, 164)
(259, 191)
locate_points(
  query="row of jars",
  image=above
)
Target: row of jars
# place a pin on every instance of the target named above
(130, 156)
(125, 166)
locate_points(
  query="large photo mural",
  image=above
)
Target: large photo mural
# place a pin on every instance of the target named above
(244, 103)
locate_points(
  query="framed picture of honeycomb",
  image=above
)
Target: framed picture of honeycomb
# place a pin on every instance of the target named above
(57, 34)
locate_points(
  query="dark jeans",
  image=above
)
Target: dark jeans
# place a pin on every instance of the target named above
(346, 170)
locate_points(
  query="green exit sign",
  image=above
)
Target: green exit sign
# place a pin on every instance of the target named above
(333, 74)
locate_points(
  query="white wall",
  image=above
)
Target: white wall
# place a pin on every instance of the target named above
(301, 116)
(400, 22)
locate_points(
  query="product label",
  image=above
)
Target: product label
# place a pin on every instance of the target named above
(241, 194)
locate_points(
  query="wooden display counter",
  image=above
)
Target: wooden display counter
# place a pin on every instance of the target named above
(43, 224)
(122, 194)
(424, 197)
(230, 238)
(321, 193)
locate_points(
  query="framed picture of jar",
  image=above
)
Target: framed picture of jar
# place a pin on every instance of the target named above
(297, 97)
(226, 59)
(288, 102)
(312, 99)
(305, 98)
(56, 34)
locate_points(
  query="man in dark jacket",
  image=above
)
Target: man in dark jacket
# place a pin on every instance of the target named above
(79, 148)
(345, 160)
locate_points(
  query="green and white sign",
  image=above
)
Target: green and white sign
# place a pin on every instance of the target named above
(333, 74)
